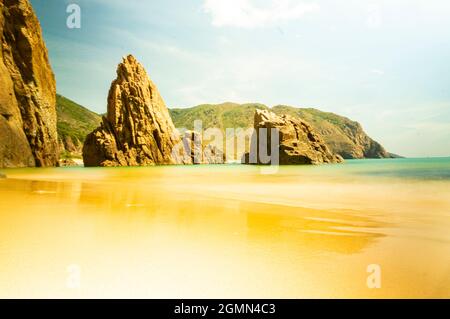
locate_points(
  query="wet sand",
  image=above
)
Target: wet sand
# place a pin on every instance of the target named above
(221, 232)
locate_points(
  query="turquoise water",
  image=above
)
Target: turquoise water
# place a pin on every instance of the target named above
(431, 169)
(407, 168)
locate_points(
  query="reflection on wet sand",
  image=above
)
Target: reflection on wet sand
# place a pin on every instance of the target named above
(171, 232)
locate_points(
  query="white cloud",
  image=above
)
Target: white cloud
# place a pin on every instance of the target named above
(247, 14)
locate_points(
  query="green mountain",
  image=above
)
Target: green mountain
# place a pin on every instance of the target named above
(222, 116)
(342, 135)
(75, 122)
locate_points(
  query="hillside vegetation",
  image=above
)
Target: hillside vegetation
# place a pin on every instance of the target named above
(342, 135)
(75, 122)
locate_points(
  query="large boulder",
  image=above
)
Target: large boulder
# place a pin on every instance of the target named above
(137, 129)
(28, 134)
(298, 142)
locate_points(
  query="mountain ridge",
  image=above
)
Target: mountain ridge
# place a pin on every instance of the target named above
(341, 134)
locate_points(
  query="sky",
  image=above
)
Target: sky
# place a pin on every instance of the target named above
(384, 63)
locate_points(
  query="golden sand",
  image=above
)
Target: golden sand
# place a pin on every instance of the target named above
(220, 232)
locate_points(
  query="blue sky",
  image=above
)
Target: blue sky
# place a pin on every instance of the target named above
(383, 63)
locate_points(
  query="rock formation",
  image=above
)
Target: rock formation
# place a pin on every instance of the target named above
(368, 147)
(298, 142)
(199, 153)
(28, 134)
(342, 135)
(349, 140)
(137, 129)
(68, 162)
(70, 146)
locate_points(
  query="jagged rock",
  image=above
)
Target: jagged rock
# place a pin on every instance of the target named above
(359, 144)
(342, 135)
(68, 144)
(28, 134)
(61, 146)
(298, 142)
(69, 148)
(200, 153)
(137, 129)
(213, 155)
(67, 162)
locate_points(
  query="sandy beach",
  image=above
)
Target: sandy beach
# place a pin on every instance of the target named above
(224, 231)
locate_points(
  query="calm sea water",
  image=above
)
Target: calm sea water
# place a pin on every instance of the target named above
(227, 231)
(407, 168)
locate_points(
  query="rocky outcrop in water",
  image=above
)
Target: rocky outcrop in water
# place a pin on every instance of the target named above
(137, 129)
(28, 134)
(200, 152)
(298, 142)
(70, 146)
(342, 135)
(67, 162)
